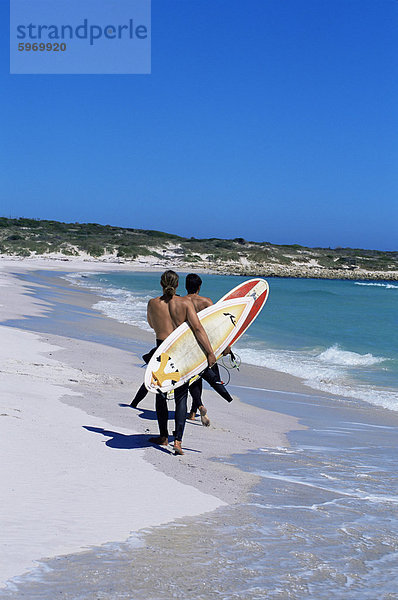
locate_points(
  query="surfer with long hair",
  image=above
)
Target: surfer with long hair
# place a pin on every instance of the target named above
(164, 314)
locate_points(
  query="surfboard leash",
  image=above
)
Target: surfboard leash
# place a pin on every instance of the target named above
(231, 361)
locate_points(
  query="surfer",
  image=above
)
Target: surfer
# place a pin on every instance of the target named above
(165, 313)
(193, 284)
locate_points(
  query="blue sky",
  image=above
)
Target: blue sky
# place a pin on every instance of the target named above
(264, 119)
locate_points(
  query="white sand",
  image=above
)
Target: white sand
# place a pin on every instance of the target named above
(62, 488)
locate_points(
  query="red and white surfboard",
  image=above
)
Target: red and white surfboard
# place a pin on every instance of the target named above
(258, 289)
(179, 357)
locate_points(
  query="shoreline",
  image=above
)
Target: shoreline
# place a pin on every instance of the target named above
(227, 268)
(275, 379)
(90, 398)
(268, 378)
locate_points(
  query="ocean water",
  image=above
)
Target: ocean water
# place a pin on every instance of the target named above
(338, 336)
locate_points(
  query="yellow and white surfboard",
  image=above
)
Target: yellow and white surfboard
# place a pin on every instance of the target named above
(180, 357)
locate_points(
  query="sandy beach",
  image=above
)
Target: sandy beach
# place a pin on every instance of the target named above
(77, 469)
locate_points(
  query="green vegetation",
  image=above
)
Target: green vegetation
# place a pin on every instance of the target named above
(24, 237)
(27, 237)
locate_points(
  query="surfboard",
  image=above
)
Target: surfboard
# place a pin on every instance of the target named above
(258, 289)
(180, 357)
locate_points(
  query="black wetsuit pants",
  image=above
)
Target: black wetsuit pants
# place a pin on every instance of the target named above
(142, 392)
(195, 389)
(162, 412)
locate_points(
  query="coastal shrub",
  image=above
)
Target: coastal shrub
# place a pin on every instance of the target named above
(24, 252)
(38, 247)
(192, 258)
(126, 252)
(158, 234)
(94, 250)
(258, 255)
(284, 260)
(231, 255)
(294, 246)
(226, 244)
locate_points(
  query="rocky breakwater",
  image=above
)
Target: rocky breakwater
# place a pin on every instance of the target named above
(302, 271)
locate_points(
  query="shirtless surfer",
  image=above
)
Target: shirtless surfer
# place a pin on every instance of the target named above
(192, 284)
(165, 313)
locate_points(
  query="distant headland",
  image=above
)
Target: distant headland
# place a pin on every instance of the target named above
(139, 247)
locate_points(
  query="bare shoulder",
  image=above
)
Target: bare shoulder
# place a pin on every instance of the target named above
(180, 303)
(153, 302)
(207, 301)
(182, 300)
(202, 302)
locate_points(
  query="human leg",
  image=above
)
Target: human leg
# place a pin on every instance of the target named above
(162, 414)
(180, 397)
(195, 389)
(142, 392)
(203, 416)
(140, 395)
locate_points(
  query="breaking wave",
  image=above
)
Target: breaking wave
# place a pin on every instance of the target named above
(336, 356)
(388, 286)
(122, 305)
(331, 370)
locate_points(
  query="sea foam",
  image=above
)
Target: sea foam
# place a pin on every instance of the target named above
(336, 356)
(388, 286)
(121, 304)
(328, 371)
(125, 307)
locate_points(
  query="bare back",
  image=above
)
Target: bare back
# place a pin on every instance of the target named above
(166, 314)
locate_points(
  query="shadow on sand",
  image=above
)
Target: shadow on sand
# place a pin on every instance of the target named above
(122, 441)
(145, 413)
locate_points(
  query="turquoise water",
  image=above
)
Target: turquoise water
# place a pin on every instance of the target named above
(338, 336)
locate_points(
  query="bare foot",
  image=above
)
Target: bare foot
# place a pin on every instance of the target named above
(191, 416)
(159, 440)
(177, 448)
(205, 420)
